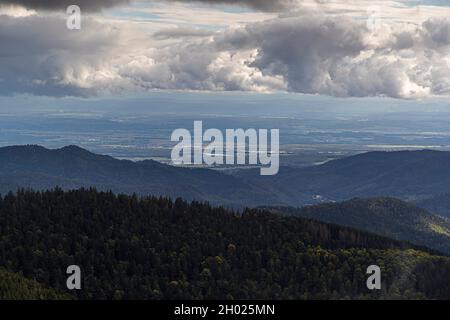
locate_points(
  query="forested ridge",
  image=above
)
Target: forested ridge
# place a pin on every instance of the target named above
(385, 216)
(154, 248)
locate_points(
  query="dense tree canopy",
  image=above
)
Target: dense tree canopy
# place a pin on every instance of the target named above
(389, 217)
(15, 287)
(155, 248)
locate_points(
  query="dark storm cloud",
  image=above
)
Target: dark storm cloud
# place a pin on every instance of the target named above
(51, 60)
(89, 5)
(94, 5)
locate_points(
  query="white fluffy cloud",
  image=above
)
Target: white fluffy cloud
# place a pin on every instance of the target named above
(299, 52)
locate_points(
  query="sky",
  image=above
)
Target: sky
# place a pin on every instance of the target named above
(339, 49)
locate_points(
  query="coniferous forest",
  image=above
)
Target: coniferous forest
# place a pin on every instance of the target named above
(154, 248)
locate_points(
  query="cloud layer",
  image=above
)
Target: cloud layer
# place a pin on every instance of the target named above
(94, 5)
(265, 5)
(298, 52)
(61, 5)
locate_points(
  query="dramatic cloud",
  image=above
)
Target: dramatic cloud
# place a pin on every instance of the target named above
(93, 5)
(38, 56)
(316, 55)
(297, 52)
(342, 57)
(61, 5)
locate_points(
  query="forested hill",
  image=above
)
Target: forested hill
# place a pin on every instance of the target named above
(154, 248)
(384, 216)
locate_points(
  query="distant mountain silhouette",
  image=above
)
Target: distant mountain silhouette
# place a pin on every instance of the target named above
(439, 204)
(403, 174)
(73, 167)
(409, 175)
(384, 216)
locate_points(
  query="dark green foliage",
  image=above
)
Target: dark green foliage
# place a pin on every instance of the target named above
(15, 287)
(384, 216)
(153, 248)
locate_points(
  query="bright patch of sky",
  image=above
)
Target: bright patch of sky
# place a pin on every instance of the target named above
(210, 17)
(444, 3)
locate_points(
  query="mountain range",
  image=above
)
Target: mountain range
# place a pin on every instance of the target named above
(408, 175)
(72, 167)
(343, 212)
